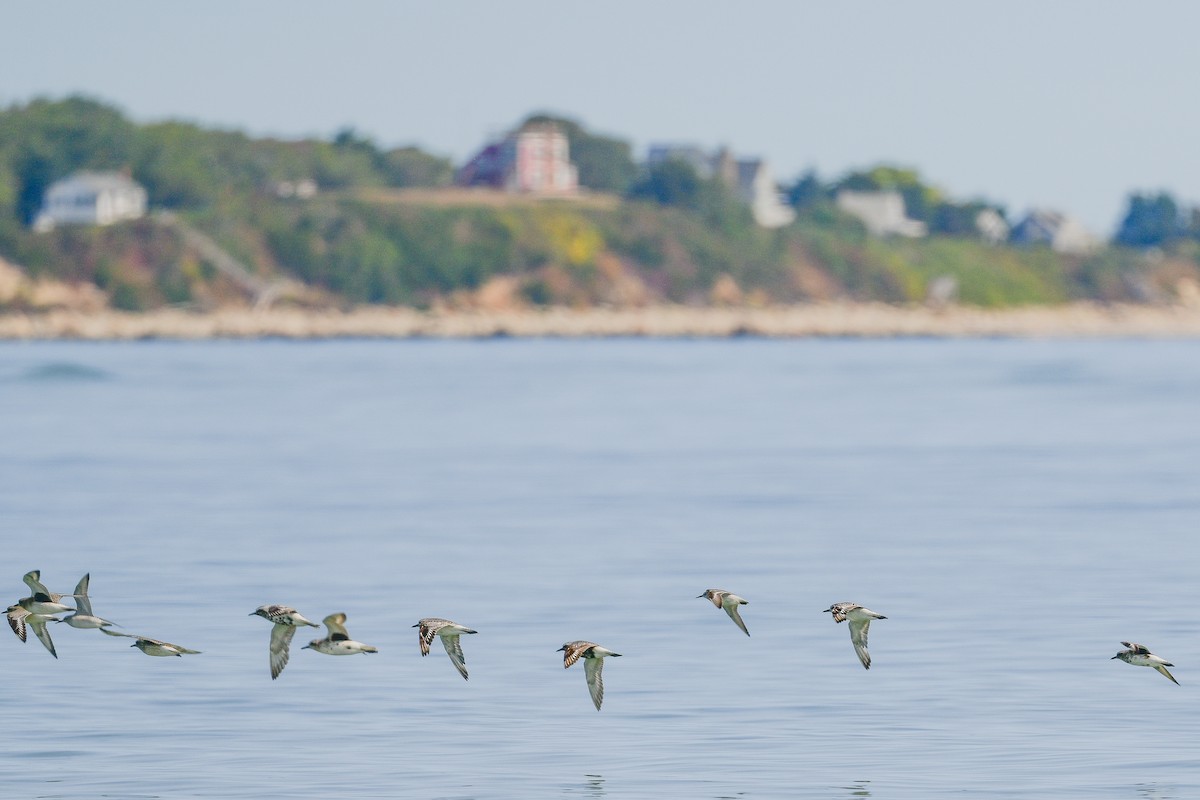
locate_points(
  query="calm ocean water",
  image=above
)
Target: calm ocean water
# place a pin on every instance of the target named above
(1016, 509)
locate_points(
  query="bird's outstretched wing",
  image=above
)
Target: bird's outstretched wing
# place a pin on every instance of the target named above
(732, 611)
(593, 669)
(336, 623)
(39, 629)
(281, 642)
(858, 635)
(16, 621)
(454, 650)
(83, 604)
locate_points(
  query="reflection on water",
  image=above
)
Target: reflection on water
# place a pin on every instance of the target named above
(858, 789)
(592, 786)
(64, 371)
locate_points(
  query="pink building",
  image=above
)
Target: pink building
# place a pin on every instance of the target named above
(532, 160)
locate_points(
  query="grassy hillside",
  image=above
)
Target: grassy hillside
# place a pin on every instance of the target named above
(385, 228)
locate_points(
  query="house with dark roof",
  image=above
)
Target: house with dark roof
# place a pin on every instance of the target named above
(534, 159)
(1061, 232)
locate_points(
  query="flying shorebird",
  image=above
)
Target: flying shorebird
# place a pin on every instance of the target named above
(860, 620)
(448, 632)
(286, 620)
(728, 601)
(1141, 656)
(33, 579)
(19, 618)
(592, 655)
(338, 642)
(36, 610)
(83, 616)
(152, 647)
(42, 601)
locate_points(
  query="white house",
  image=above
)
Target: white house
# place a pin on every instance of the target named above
(91, 198)
(1063, 233)
(303, 189)
(758, 189)
(750, 179)
(882, 212)
(991, 226)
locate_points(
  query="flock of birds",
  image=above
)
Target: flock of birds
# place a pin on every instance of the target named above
(43, 606)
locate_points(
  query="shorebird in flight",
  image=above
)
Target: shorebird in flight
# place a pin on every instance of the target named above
(338, 642)
(448, 632)
(860, 621)
(42, 601)
(19, 618)
(730, 602)
(36, 610)
(152, 647)
(1140, 655)
(593, 656)
(285, 620)
(83, 616)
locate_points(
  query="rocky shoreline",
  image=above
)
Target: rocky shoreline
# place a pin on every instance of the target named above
(873, 320)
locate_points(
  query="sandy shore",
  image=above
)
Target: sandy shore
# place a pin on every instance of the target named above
(856, 320)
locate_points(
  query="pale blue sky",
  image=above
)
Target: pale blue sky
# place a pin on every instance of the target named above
(1066, 105)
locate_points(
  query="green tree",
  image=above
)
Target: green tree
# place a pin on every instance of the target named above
(958, 219)
(408, 166)
(35, 171)
(807, 191)
(676, 183)
(402, 166)
(46, 140)
(178, 165)
(1151, 220)
(672, 183)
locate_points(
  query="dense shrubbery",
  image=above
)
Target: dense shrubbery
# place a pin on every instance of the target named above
(182, 165)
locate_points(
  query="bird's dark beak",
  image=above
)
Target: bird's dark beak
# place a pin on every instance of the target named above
(826, 611)
(561, 649)
(1114, 657)
(699, 596)
(417, 625)
(133, 645)
(252, 614)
